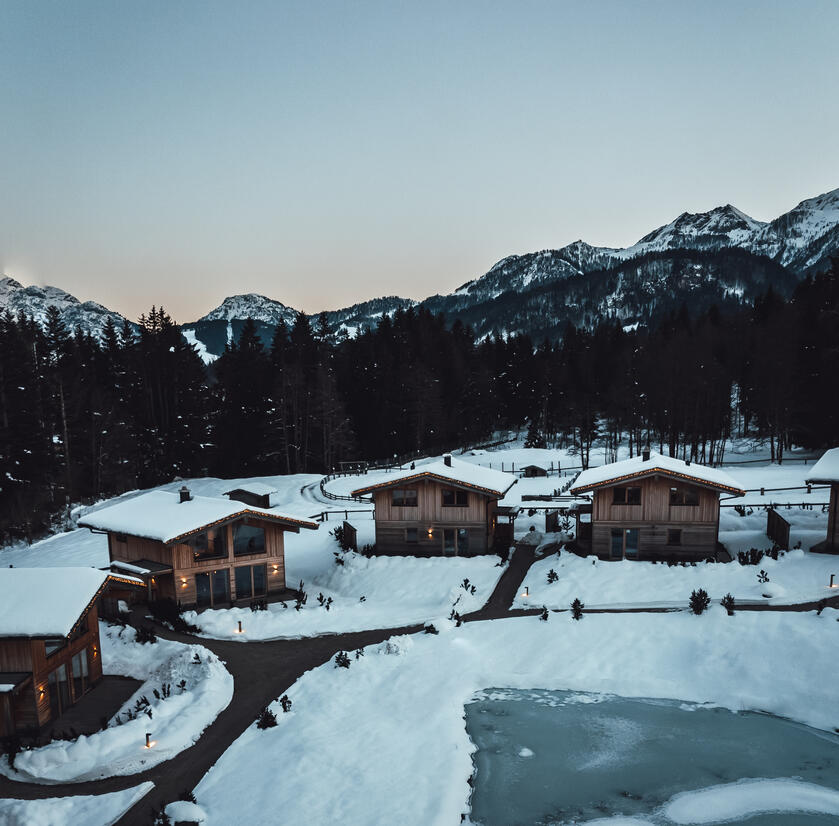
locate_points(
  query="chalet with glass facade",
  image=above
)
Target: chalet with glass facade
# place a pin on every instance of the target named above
(200, 551)
(441, 508)
(50, 655)
(654, 507)
(826, 472)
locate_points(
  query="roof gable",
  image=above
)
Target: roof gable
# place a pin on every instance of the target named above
(657, 465)
(493, 483)
(161, 516)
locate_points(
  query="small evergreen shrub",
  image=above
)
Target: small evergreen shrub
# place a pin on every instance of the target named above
(267, 719)
(168, 612)
(430, 629)
(468, 587)
(342, 660)
(762, 576)
(727, 602)
(553, 576)
(145, 634)
(285, 703)
(699, 601)
(577, 609)
(544, 615)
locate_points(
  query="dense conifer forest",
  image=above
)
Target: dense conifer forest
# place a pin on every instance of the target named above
(82, 419)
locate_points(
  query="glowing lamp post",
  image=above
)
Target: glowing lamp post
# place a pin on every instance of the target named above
(149, 742)
(240, 627)
(526, 592)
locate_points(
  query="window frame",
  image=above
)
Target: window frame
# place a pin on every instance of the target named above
(679, 495)
(239, 526)
(460, 498)
(399, 497)
(624, 499)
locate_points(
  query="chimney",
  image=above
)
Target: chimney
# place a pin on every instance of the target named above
(645, 456)
(447, 459)
(185, 494)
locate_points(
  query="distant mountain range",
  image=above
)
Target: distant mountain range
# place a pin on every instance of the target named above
(723, 256)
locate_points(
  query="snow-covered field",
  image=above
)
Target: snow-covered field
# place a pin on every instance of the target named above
(384, 741)
(798, 576)
(176, 721)
(90, 810)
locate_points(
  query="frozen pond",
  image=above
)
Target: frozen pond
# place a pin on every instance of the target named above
(554, 757)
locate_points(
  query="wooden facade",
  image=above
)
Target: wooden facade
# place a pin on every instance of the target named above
(212, 564)
(830, 545)
(465, 526)
(62, 670)
(655, 518)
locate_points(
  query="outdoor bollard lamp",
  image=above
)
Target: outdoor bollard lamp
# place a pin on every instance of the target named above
(526, 591)
(148, 740)
(240, 626)
(832, 577)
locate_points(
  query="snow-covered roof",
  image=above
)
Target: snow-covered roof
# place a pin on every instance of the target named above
(826, 469)
(256, 488)
(46, 602)
(493, 482)
(637, 467)
(161, 515)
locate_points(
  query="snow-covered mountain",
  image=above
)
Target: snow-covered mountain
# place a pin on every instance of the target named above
(35, 301)
(251, 305)
(539, 292)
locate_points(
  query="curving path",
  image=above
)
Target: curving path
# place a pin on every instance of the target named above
(262, 672)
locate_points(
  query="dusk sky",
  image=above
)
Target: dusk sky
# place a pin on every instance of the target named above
(325, 153)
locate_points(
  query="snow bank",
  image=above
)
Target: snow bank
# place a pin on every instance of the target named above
(397, 591)
(91, 810)
(176, 723)
(182, 811)
(732, 801)
(797, 576)
(384, 741)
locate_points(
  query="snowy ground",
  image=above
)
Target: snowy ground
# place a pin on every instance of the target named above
(90, 810)
(176, 722)
(397, 591)
(798, 576)
(384, 741)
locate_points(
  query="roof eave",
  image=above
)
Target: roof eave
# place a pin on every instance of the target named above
(433, 476)
(657, 471)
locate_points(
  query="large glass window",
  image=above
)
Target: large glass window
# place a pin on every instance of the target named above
(244, 590)
(80, 674)
(59, 691)
(404, 497)
(454, 498)
(211, 544)
(248, 539)
(260, 580)
(626, 496)
(684, 496)
(202, 590)
(462, 540)
(221, 587)
(411, 536)
(449, 542)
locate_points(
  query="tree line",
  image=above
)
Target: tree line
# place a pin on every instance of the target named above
(83, 419)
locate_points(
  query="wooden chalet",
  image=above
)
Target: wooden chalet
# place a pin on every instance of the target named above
(200, 551)
(49, 643)
(826, 472)
(445, 507)
(654, 507)
(534, 470)
(254, 493)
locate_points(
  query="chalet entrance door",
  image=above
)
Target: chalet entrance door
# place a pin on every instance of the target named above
(630, 543)
(449, 546)
(624, 543)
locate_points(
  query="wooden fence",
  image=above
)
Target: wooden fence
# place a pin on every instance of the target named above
(777, 528)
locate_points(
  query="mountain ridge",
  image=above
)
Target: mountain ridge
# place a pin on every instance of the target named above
(801, 241)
